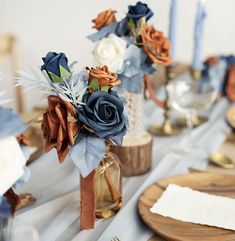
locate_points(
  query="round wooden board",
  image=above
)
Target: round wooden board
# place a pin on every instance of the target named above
(171, 229)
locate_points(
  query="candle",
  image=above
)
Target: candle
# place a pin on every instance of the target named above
(172, 27)
(199, 23)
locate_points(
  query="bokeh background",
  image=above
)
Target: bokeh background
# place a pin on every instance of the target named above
(58, 25)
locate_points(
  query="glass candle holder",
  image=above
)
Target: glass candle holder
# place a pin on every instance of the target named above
(108, 186)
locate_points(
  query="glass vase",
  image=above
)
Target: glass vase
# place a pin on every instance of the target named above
(108, 186)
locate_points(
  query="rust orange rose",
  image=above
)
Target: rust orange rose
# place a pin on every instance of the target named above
(59, 126)
(104, 76)
(230, 87)
(156, 45)
(211, 60)
(104, 18)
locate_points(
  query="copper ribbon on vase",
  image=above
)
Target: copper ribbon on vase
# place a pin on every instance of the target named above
(88, 202)
(149, 88)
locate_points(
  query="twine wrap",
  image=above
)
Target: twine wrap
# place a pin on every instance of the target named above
(135, 111)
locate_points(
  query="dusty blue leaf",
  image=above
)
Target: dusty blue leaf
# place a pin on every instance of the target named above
(10, 123)
(131, 65)
(134, 84)
(88, 153)
(104, 32)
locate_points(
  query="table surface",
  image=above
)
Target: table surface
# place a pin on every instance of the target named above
(56, 187)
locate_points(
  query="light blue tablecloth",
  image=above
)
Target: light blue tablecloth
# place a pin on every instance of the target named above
(56, 213)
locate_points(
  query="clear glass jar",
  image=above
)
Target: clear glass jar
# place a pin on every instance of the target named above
(108, 186)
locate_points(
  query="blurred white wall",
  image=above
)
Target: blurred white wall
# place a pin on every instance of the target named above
(59, 25)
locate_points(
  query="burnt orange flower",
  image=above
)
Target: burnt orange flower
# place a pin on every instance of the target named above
(156, 45)
(104, 76)
(59, 126)
(104, 18)
(230, 87)
(211, 60)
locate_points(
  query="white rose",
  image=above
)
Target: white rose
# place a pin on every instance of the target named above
(110, 51)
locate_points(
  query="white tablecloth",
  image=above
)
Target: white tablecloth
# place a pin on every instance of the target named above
(56, 187)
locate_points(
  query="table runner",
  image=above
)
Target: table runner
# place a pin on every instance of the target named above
(56, 214)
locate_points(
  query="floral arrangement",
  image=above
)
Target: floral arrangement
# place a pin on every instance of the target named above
(220, 71)
(83, 113)
(129, 47)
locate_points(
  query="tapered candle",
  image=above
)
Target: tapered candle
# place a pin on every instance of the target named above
(198, 35)
(172, 27)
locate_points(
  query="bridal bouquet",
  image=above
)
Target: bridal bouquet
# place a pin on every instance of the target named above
(83, 114)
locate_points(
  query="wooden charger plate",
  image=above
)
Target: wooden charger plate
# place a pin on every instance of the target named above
(171, 229)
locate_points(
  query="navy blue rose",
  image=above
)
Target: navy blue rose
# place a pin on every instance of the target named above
(138, 11)
(103, 112)
(56, 66)
(230, 59)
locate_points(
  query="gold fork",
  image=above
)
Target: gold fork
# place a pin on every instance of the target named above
(115, 239)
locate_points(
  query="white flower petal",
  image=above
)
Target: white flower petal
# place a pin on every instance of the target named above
(110, 51)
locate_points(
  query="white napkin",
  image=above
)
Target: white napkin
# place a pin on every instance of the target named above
(185, 204)
(12, 162)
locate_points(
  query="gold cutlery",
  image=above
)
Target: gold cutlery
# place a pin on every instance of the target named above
(221, 160)
(192, 170)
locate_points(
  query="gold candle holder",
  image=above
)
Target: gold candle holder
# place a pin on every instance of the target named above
(167, 128)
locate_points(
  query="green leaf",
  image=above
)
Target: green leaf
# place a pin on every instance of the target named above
(55, 78)
(131, 23)
(105, 88)
(94, 85)
(64, 73)
(131, 26)
(140, 25)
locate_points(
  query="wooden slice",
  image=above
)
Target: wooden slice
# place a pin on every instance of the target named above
(135, 155)
(171, 229)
